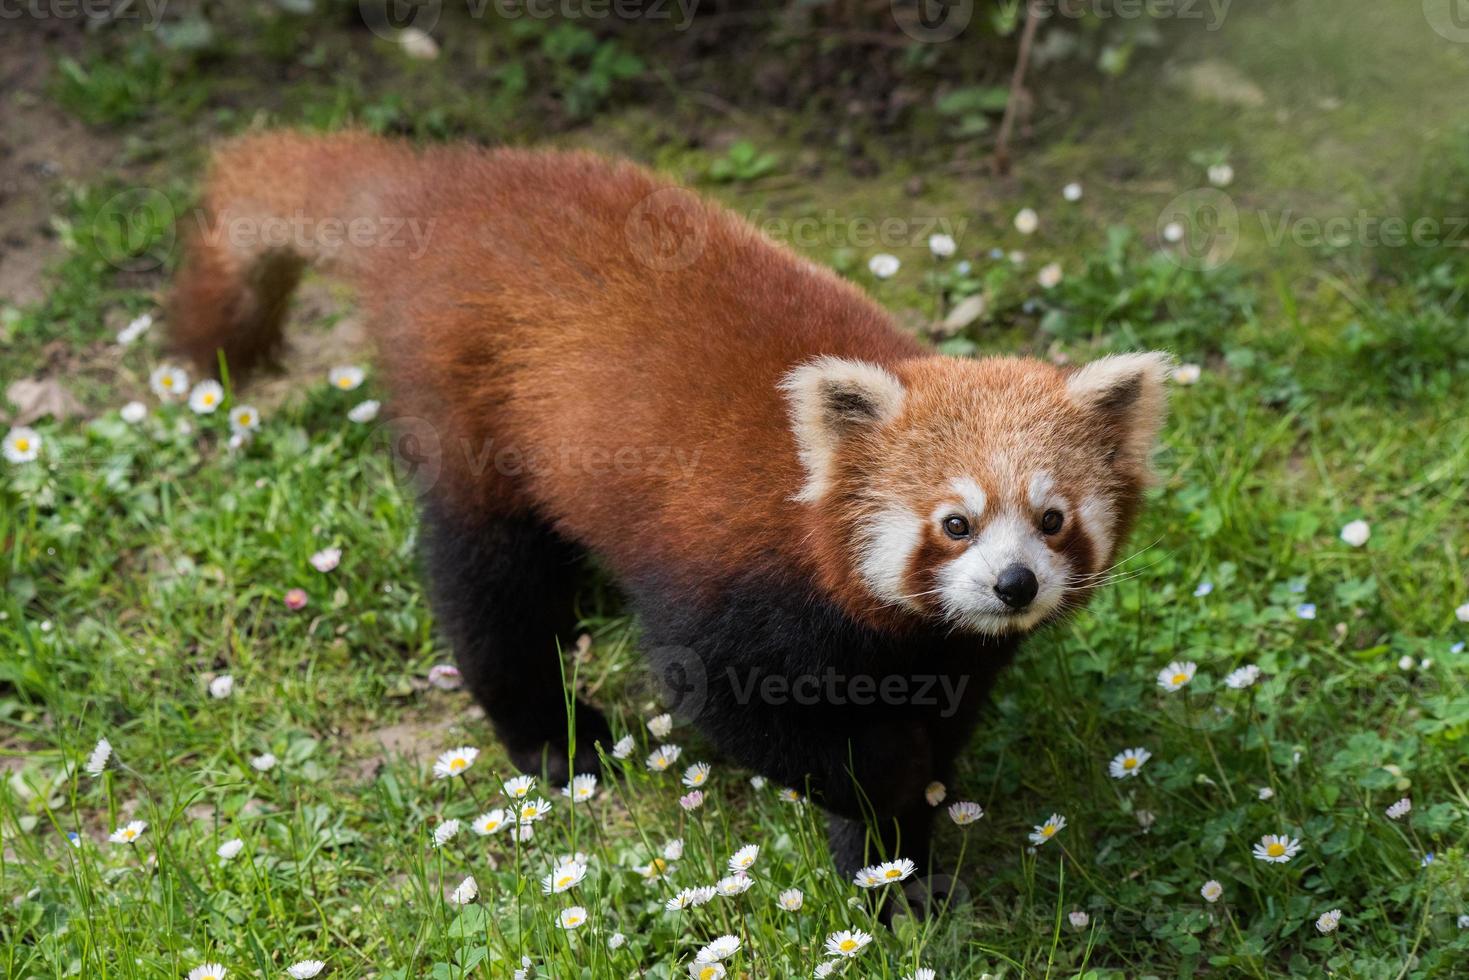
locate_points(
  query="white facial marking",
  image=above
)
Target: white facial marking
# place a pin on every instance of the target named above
(970, 494)
(889, 539)
(1041, 488)
(1097, 515)
(967, 583)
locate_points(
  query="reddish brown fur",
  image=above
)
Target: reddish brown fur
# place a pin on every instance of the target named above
(533, 323)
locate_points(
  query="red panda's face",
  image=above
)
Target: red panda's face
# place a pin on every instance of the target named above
(987, 495)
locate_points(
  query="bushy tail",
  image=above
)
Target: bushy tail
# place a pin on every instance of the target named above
(272, 205)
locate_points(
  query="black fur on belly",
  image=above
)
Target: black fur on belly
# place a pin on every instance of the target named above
(788, 684)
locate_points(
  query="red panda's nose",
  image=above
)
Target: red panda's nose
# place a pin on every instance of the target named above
(1016, 586)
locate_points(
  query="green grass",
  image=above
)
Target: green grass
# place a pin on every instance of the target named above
(140, 562)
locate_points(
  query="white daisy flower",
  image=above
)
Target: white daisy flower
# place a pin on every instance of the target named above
(757, 783)
(208, 971)
(22, 444)
(1053, 826)
(1277, 848)
(680, 901)
(721, 948)
(133, 412)
(566, 876)
(942, 246)
(1406, 662)
(1328, 921)
(935, 792)
(1400, 809)
(244, 419)
(1173, 232)
(519, 787)
(734, 885)
(205, 397)
(1072, 192)
(791, 899)
(1177, 674)
(1463, 922)
(1462, 613)
(1079, 920)
(581, 788)
(1221, 175)
(704, 894)
(346, 377)
(883, 874)
(326, 559)
(230, 849)
(135, 329)
(922, 973)
(101, 755)
(465, 892)
(1211, 891)
(525, 832)
(673, 850)
(169, 383)
(1027, 221)
(656, 869)
(1265, 793)
(264, 762)
(847, 943)
(965, 813)
(129, 833)
(706, 971)
(616, 940)
(826, 968)
(1050, 276)
(1128, 762)
(623, 747)
(572, 918)
(1306, 610)
(1242, 677)
(445, 677)
(1356, 533)
(364, 412)
(660, 725)
(532, 811)
(663, 757)
(1187, 374)
(696, 775)
(744, 858)
(1203, 589)
(1145, 819)
(445, 832)
(305, 969)
(455, 762)
(789, 795)
(884, 266)
(222, 687)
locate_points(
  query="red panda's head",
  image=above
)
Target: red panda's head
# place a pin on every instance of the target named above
(988, 495)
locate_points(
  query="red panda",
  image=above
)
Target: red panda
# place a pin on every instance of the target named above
(795, 495)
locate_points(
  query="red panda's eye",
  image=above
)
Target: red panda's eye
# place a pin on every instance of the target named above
(1051, 521)
(956, 526)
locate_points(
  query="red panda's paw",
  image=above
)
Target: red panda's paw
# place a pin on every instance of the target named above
(548, 759)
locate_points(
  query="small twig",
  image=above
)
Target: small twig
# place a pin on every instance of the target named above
(1017, 86)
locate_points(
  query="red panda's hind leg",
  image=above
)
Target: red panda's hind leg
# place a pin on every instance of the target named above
(503, 590)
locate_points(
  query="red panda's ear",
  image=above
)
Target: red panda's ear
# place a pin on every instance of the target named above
(830, 399)
(1130, 394)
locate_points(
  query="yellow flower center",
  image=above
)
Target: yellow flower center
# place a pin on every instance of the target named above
(344, 383)
(847, 945)
(23, 444)
(708, 973)
(456, 764)
(1275, 850)
(129, 834)
(166, 381)
(563, 881)
(527, 812)
(893, 873)
(1048, 830)
(1129, 763)
(1180, 679)
(209, 399)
